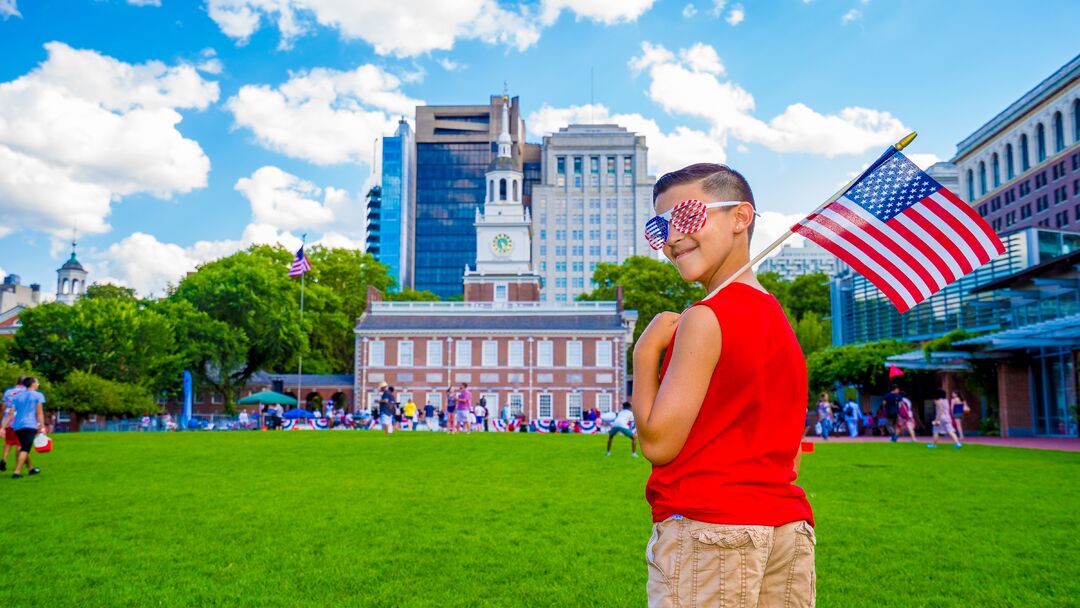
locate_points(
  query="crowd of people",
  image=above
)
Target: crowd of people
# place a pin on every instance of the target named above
(894, 417)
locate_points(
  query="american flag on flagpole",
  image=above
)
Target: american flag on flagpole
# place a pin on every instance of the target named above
(902, 230)
(300, 264)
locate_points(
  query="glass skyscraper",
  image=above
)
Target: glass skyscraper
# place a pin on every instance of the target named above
(396, 205)
(454, 146)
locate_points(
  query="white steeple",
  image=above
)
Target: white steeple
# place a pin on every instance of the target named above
(70, 279)
(504, 135)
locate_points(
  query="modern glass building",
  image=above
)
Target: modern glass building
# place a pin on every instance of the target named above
(862, 313)
(396, 204)
(373, 229)
(454, 147)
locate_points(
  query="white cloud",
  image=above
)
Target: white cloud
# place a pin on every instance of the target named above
(282, 205)
(402, 28)
(736, 15)
(450, 65)
(689, 11)
(924, 160)
(687, 86)
(145, 2)
(852, 15)
(209, 63)
(717, 8)
(83, 130)
(324, 116)
(9, 9)
(602, 11)
(667, 150)
(703, 58)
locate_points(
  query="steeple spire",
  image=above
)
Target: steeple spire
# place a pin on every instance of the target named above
(504, 135)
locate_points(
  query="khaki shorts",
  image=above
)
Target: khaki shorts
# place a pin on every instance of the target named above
(692, 563)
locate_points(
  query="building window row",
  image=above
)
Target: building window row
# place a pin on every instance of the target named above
(489, 353)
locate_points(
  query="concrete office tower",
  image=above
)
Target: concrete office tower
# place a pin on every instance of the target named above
(70, 279)
(396, 205)
(591, 206)
(13, 293)
(454, 148)
(504, 270)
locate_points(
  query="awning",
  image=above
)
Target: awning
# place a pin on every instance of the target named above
(1063, 332)
(943, 361)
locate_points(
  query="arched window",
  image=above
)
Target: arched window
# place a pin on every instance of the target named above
(1010, 172)
(515, 190)
(491, 190)
(971, 186)
(982, 178)
(1040, 143)
(1076, 121)
(64, 286)
(1025, 157)
(1059, 132)
(502, 189)
(997, 170)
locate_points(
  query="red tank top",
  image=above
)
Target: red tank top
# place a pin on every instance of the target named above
(737, 466)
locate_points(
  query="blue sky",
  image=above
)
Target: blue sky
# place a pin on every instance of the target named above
(172, 132)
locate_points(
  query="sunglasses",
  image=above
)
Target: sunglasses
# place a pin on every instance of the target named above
(687, 217)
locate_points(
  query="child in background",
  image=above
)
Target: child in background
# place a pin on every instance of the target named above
(722, 422)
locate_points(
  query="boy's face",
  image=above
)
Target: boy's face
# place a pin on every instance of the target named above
(699, 255)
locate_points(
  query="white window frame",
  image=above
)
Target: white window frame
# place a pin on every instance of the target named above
(501, 293)
(545, 353)
(605, 402)
(434, 398)
(540, 405)
(434, 353)
(489, 353)
(402, 397)
(405, 347)
(373, 399)
(517, 404)
(570, 399)
(605, 358)
(376, 353)
(574, 350)
(463, 353)
(515, 352)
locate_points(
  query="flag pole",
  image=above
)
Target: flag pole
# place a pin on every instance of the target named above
(900, 145)
(300, 359)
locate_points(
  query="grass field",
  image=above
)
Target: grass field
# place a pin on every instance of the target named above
(328, 519)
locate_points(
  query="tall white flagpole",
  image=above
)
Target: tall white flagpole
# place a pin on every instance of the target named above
(300, 359)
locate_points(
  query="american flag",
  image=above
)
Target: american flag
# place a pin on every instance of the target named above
(902, 230)
(300, 265)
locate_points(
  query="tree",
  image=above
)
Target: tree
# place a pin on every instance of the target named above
(649, 287)
(809, 293)
(108, 291)
(86, 393)
(862, 364)
(347, 273)
(410, 295)
(813, 333)
(777, 286)
(211, 350)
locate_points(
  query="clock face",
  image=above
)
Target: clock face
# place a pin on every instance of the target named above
(502, 244)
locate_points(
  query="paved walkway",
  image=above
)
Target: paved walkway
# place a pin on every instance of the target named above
(1066, 444)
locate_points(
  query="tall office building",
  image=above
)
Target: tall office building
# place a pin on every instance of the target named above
(591, 206)
(454, 148)
(1022, 168)
(396, 205)
(373, 228)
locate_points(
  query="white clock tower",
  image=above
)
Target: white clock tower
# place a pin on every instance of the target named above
(504, 271)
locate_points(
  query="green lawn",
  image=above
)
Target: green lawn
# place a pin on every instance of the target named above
(356, 518)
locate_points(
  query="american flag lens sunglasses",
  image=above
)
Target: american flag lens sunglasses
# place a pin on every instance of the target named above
(687, 217)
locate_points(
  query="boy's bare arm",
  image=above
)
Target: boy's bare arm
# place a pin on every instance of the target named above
(664, 413)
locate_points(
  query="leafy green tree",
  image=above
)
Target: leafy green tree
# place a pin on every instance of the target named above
(213, 351)
(813, 332)
(11, 372)
(777, 286)
(347, 273)
(108, 291)
(809, 293)
(410, 295)
(86, 393)
(862, 364)
(649, 287)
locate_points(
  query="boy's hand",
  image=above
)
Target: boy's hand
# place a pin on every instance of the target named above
(657, 335)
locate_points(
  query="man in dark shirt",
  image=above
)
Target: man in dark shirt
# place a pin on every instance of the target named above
(429, 417)
(387, 405)
(891, 402)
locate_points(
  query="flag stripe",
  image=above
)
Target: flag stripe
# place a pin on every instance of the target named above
(978, 226)
(837, 246)
(953, 221)
(929, 240)
(939, 239)
(887, 239)
(907, 233)
(884, 260)
(965, 255)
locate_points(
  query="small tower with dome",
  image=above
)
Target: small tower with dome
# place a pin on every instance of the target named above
(70, 279)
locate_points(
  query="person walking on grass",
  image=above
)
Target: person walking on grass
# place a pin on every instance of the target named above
(906, 416)
(410, 413)
(28, 419)
(943, 420)
(959, 408)
(464, 408)
(11, 440)
(387, 405)
(891, 402)
(621, 426)
(451, 410)
(825, 415)
(852, 414)
(719, 399)
(430, 418)
(480, 411)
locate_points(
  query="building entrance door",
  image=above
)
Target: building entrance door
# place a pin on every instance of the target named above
(1055, 393)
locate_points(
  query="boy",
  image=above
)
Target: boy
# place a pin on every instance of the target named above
(723, 420)
(10, 439)
(622, 425)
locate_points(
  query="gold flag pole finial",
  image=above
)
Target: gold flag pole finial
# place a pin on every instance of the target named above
(903, 143)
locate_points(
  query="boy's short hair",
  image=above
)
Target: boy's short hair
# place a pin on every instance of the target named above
(720, 181)
(626, 405)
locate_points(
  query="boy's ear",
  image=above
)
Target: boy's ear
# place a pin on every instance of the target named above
(744, 217)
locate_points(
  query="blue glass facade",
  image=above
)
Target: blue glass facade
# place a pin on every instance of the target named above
(393, 191)
(450, 187)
